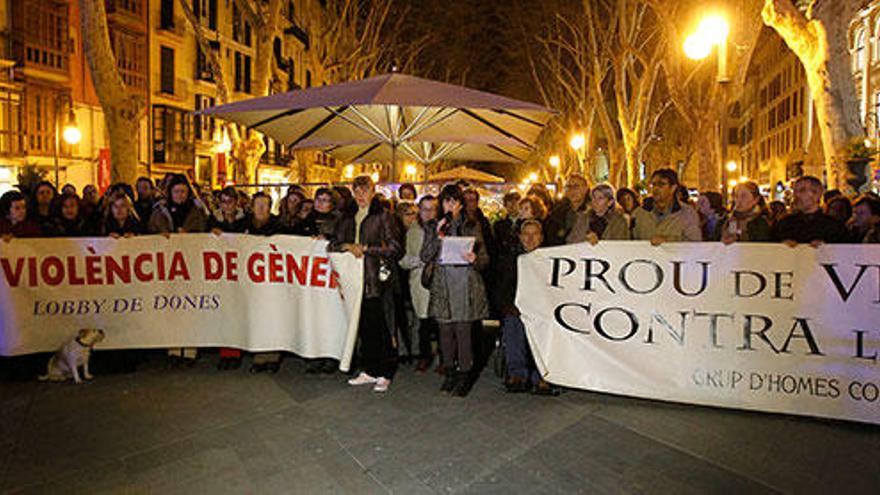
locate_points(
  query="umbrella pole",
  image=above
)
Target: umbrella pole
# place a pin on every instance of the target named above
(393, 162)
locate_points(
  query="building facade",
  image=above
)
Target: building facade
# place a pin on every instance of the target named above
(44, 75)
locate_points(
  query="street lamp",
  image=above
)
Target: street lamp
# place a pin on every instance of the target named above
(731, 166)
(714, 30)
(555, 161)
(71, 133)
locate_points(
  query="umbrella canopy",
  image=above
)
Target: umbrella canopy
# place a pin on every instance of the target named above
(425, 119)
(464, 173)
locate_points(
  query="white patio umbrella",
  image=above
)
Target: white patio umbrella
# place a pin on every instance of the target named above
(375, 118)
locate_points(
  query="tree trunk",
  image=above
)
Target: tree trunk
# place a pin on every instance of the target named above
(707, 155)
(122, 111)
(820, 43)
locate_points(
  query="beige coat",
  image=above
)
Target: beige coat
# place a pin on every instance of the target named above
(412, 261)
(617, 229)
(679, 224)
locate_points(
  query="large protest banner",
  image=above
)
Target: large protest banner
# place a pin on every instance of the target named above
(751, 326)
(193, 290)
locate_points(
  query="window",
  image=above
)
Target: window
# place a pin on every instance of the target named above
(11, 132)
(167, 70)
(40, 119)
(203, 67)
(242, 72)
(859, 51)
(166, 14)
(241, 28)
(130, 51)
(308, 79)
(204, 126)
(206, 12)
(172, 135)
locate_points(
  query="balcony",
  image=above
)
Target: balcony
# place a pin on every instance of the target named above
(39, 38)
(298, 33)
(130, 13)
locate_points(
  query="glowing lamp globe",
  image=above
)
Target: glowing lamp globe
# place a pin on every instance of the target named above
(71, 134)
(697, 47)
(714, 29)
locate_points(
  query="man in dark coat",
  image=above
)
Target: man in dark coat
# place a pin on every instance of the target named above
(807, 223)
(562, 218)
(371, 232)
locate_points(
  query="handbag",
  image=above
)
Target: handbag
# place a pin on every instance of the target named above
(428, 274)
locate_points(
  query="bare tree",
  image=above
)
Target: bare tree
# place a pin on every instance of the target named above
(698, 97)
(817, 34)
(122, 109)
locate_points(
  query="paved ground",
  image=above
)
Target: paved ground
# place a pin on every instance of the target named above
(203, 431)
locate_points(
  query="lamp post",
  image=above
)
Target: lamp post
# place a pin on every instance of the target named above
(714, 30)
(71, 133)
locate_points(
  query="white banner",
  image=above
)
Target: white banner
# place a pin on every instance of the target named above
(749, 326)
(193, 290)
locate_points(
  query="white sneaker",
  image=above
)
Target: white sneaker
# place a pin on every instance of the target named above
(362, 379)
(381, 385)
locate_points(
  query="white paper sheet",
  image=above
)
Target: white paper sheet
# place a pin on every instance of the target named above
(454, 248)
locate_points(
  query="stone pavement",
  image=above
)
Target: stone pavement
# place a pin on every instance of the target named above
(204, 431)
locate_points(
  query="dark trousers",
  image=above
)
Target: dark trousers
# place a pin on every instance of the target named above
(517, 353)
(377, 354)
(427, 334)
(456, 345)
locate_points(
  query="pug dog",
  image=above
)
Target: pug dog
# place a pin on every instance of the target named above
(66, 362)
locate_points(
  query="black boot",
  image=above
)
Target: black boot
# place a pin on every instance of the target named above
(463, 385)
(450, 380)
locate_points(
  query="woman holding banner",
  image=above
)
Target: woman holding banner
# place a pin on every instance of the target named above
(262, 222)
(179, 213)
(749, 220)
(14, 221)
(121, 219)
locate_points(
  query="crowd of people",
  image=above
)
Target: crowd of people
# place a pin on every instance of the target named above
(416, 307)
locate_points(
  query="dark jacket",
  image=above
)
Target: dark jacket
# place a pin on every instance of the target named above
(131, 226)
(21, 229)
(560, 221)
(382, 240)
(271, 227)
(316, 224)
(504, 295)
(805, 228)
(749, 227)
(162, 219)
(236, 226)
(76, 228)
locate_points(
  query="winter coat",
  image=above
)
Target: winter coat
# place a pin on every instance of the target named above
(808, 227)
(132, 226)
(447, 278)
(681, 223)
(381, 238)
(616, 228)
(752, 226)
(271, 227)
(236, 226)
(161, 221)
(412, 261)
(561, 221)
